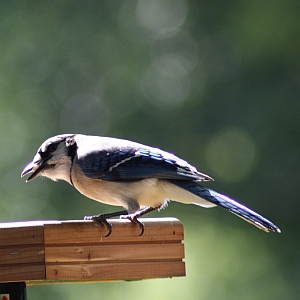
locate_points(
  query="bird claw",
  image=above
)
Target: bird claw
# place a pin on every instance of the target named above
(101, 219)
(133, 218)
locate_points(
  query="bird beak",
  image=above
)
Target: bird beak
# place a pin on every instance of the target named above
(33, 167)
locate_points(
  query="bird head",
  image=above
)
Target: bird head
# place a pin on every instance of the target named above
(53, 159)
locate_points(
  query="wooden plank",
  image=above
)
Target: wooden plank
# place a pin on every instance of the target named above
(117, 271)
(45, 251)
(22, 254)
(73, 232)
(22, 272)
(29, 233)
(114, 252)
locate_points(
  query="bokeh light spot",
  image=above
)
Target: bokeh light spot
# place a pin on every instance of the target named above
(161, 16)
(167, 82)
(180, 49)
(142, 21)
(165, 91)
(231, 154)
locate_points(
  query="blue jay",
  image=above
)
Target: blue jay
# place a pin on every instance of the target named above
(124, 173)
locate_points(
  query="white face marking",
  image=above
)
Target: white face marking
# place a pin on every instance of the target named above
(59, 171)
(60, 164)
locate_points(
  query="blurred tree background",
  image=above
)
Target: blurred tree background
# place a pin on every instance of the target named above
(215, 82)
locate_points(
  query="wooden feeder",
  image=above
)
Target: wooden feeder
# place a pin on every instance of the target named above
(38, 252)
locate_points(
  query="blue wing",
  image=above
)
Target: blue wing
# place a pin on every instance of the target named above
(128, 163)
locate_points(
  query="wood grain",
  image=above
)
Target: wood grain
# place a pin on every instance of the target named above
(114, 253)
(117, 271)
(11, 233)
(73, 232)
(22, 272)
(73, 251)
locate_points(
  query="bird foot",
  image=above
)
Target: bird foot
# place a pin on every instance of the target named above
(133, 218)
(101, 219)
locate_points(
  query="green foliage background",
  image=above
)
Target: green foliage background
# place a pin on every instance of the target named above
(215, 82)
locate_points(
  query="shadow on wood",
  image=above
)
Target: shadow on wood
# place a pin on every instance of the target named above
(69, 251)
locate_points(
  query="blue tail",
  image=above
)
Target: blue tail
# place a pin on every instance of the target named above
(227, 203)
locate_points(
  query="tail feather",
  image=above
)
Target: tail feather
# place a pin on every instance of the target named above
(229, 204)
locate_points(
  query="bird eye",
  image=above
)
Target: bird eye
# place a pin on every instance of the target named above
(52, 148)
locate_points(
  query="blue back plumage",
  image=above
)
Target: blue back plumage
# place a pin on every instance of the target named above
(134, 164)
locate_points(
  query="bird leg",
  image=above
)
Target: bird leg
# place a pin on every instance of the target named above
(102, 219)
(133, 217)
